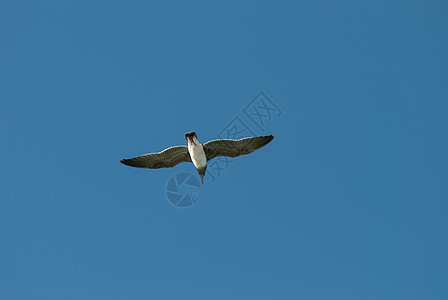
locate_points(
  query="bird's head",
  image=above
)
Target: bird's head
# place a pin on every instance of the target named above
(189, 136)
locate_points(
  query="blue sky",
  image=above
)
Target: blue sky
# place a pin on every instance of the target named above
(348, 202)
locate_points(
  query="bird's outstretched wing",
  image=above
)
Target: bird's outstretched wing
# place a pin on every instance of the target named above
(166, 159)
(233, 148)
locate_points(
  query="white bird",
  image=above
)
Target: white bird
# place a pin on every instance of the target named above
(197, 153)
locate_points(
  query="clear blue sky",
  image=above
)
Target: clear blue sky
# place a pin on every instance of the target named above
(348, 202)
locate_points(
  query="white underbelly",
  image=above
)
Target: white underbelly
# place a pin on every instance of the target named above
(197, 155)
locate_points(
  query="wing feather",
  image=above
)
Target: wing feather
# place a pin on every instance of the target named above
(234, 148)
(165, 159)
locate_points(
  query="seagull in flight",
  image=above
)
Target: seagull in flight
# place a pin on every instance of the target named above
(197, 153)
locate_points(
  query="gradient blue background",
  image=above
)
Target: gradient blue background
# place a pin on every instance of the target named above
(348, 202)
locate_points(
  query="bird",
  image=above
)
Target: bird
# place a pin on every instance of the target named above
(197, 153)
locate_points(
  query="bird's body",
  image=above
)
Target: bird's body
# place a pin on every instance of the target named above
(198, 153)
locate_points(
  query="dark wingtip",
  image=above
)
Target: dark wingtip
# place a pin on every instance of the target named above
(267, 139)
